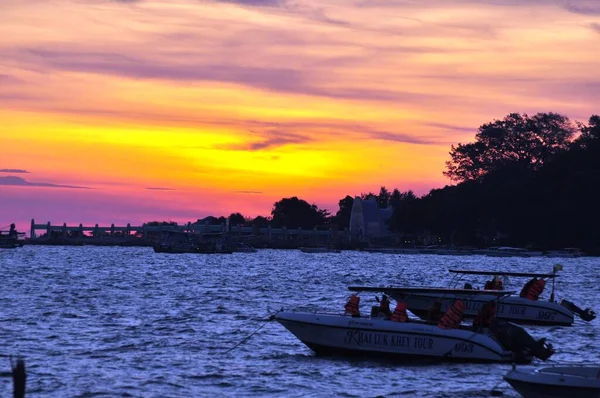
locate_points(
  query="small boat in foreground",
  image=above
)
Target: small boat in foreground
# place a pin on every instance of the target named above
(557, 382)
(408, 339)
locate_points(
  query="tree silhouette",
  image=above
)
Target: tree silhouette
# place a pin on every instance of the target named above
(342, 217)
(294, 213)
(367, 196)
(383, 199)
(589, 133)
(260, 222)
(518, 141)
(236, 219)
(407, 217)
(395, 198)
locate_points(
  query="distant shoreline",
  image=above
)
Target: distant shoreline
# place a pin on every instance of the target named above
(414, 250)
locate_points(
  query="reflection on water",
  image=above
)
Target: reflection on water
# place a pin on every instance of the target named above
(94, 321)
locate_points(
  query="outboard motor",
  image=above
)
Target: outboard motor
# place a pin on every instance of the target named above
(587, 314)
(517, 340)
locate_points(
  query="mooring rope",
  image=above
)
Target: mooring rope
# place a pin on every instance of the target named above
(269, 319)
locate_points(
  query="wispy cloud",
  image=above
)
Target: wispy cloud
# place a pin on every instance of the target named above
(18, 181)
(259, 3)
(451, 127)
(268, 139)
(595, 26)
(13, 171)
(249, 192)
(160, 189)
(585, 7)
(399, 137)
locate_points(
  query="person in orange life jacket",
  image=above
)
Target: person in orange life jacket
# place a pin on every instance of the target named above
(400, 314)
(535, 289)
(384, 305)
(351, 306)
(527, 286)
(494, 284)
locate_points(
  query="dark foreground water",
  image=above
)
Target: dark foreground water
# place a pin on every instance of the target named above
(115, 322)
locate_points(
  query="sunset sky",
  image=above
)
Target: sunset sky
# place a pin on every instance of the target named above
(132, 111)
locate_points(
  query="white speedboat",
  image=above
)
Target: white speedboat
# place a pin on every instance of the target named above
(336, 334)
(556, 382)
(511, 307)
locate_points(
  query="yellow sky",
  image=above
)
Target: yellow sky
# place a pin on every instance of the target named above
(233, 105)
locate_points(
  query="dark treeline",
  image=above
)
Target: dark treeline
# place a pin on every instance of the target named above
(529, 181)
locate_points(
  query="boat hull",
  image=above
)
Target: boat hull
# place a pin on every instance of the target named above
(557, 382)
(402, 341)
(511, 308)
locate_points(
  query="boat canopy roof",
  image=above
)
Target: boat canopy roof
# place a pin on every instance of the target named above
(416, 290)
(522, 274)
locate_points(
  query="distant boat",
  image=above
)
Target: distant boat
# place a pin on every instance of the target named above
(244, 248)
(392, 250)
(567, 252)
(505, 251)
(318, 250)
(557, 382)
(447, 250)
(192, 249)
(10, 239)
(9, 245)
(176, 242)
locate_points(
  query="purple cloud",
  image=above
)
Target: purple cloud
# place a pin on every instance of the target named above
(258, 3)
(595, 26)
(9, 79)
(584, 7)
(13, 171)
(400, 137)
(270, 139)
(18, 181)
(160, 189)
(452, 127)
(277, 79)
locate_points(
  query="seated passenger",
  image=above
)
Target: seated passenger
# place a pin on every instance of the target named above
(434, 313)
(351, 307)
(384, 306)
(400, 314)
(485, 316)
(494, 284)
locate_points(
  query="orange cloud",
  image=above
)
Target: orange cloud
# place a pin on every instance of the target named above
(310, 98)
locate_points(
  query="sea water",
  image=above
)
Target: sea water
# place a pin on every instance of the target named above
(127, 322)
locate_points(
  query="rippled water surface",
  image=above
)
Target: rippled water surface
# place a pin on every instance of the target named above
(96, 321)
